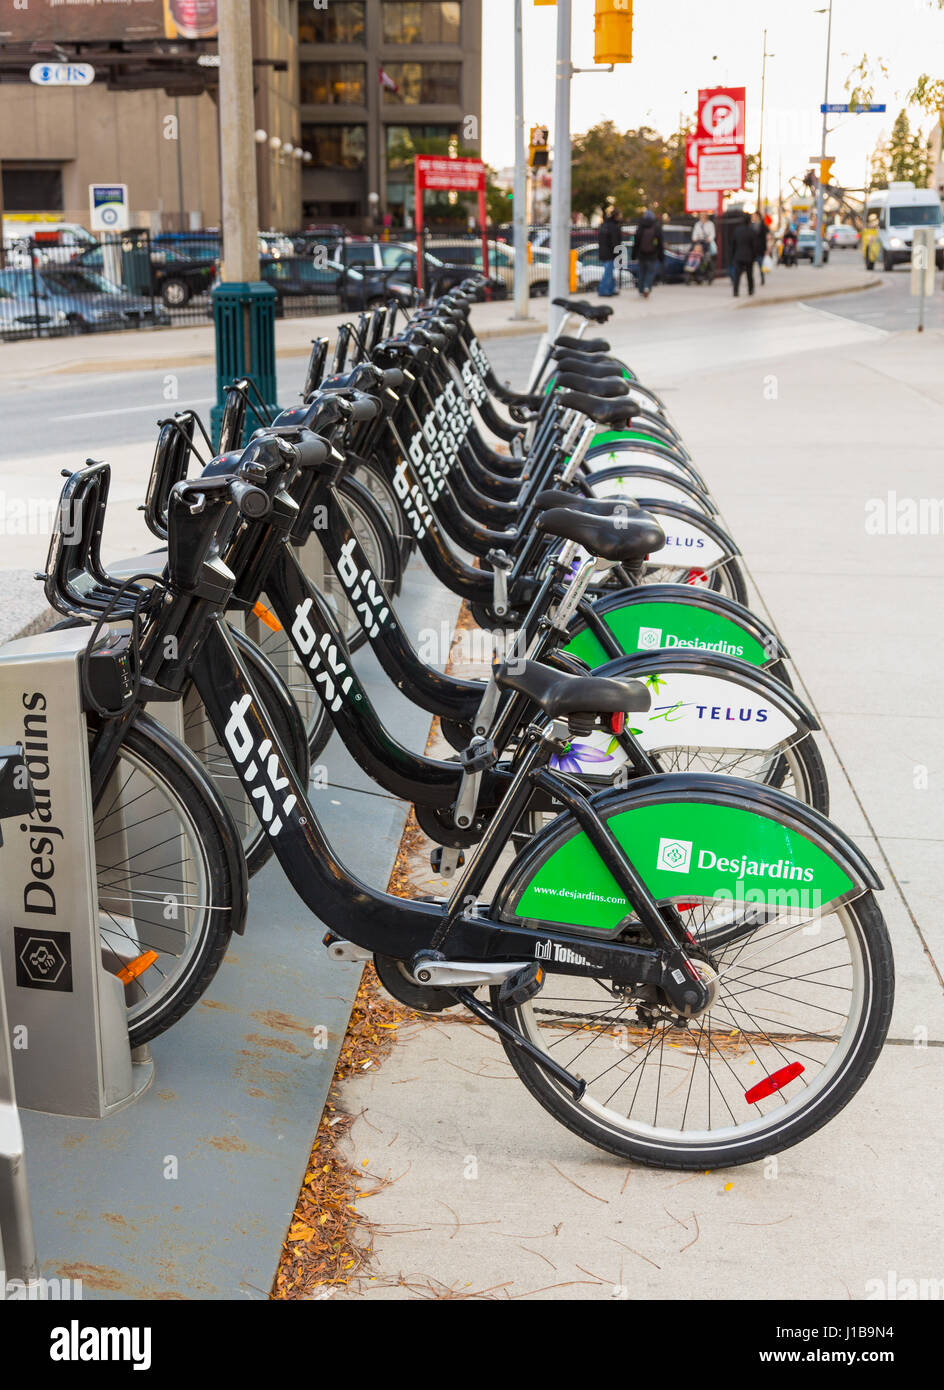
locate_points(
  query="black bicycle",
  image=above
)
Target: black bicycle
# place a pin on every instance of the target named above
(691, 971)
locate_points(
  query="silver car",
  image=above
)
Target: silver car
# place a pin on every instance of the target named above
(64, 299)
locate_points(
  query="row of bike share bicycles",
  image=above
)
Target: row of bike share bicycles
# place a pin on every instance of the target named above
(682, 957)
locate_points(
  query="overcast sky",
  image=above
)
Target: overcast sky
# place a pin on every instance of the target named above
(682, 45)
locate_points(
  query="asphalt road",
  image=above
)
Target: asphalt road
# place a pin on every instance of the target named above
(890, 305)
(89, 413)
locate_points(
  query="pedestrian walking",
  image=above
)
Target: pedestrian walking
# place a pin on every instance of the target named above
(648, 252)
(742, 255)
(609, 238)
(759, 232)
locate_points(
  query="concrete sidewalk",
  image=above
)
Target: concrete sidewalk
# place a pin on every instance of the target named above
(803, 423)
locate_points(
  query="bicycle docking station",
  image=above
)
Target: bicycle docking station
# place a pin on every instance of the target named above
(65, 1003)
(18, 1260)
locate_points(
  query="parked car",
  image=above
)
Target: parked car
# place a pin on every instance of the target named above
(66, 298)
(356, 287)
(842, 235)
(275, 244)
(174, 276)
(442, 275)
(590, 268)
(806, 246)
(467, 252)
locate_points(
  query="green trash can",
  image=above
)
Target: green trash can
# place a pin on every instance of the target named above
(244, 318)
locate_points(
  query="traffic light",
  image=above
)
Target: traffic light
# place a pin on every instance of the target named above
(538, 155)
(613, 31)
(825, 169)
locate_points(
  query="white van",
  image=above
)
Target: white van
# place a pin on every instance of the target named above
(891, 216)
(52, 240)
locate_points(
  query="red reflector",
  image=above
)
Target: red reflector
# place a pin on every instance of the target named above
(686, 907)
(617, 723)
(774, 1082)
(697, 577)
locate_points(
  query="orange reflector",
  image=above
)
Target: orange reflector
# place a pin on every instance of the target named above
(134, 968)
(775, 1082)
(265, 615)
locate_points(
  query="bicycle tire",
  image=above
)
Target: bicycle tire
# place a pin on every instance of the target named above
(835, 1088)
(171, 772)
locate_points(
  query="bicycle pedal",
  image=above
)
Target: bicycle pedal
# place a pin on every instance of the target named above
(445, 861)
(522, 986)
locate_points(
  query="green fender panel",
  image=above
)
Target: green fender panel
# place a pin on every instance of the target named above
(689, 837)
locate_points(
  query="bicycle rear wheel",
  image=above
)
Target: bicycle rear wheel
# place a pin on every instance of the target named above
(799, 1015)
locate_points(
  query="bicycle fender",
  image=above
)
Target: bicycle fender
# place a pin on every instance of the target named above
(673, 616)
(692, 837)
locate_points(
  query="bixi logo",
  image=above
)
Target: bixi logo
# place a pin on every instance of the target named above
(650, 639)
(674, 855)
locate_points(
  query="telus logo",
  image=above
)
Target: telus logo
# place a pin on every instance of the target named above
(733, 715)
(333, 676)
(684, 542)
(259, 764)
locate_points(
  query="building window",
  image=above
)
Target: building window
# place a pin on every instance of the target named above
(421, 21)
(336, 146)
(333, 84)
(341, 22)
(32, 190)
(424, 84)
(406, 141)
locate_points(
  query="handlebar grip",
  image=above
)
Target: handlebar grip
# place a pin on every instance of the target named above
(393, 379)
(312, 451)
(364, 408)
(252, 502)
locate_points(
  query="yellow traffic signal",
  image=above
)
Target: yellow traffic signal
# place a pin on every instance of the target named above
(613, 31)
(825, 169)
(538, 153)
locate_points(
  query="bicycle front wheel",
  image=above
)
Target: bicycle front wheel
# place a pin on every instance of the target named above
(171, 877)
(797, 1021)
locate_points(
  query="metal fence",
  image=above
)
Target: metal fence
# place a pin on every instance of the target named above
(50, 286)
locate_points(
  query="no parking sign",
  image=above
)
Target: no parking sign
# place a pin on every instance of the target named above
(108, 204)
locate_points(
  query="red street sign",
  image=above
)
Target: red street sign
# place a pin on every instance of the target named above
(721, 114)
(446, 175)
(720, 141)
(449, 175)
(696, 201)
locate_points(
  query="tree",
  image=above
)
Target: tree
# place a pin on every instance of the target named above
(635, 170)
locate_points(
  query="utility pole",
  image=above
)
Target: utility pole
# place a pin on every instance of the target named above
(521, 178)
(820, 197)
(243, 306)
(560, 188)
(760, 153)
(180, 165)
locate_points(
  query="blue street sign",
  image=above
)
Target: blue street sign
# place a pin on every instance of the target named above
(843, 107)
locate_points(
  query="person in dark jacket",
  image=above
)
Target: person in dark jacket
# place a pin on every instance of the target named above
(609, 238)
(760, 243)
(742, 255)
(648, 252)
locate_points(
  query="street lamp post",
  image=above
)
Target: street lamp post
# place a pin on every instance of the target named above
(760, 152)
(521, 178)
(820, 200)
(560, 186)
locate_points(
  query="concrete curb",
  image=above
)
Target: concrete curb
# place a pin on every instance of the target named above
(870, 284)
